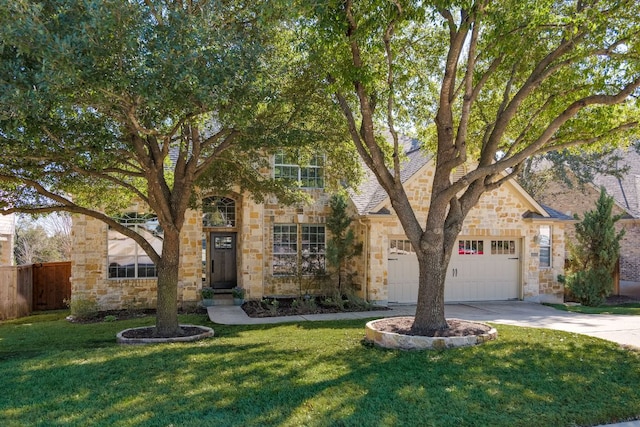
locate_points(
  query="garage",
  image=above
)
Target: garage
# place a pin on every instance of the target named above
(481, 269)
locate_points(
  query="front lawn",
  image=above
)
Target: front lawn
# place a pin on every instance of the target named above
(311, 373)
(626, 309)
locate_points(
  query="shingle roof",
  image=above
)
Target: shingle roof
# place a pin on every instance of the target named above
(553, 214)
(370, 193)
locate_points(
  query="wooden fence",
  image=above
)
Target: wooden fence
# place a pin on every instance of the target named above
(16, 296)
(33, 287)
(51, 285)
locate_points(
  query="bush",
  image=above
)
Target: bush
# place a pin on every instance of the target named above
(594, 257)
(590, 287)
(83, 308)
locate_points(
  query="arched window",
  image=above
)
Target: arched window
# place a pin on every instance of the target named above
(218, 212)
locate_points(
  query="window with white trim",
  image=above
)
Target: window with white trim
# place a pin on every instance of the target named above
(313, 249)
(295, 246)
(544, 240)
(285, 249)
(311, 175)
(126, 259)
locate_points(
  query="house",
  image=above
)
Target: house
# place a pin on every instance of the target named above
(625, 191)
(511, 247)
(7, 233)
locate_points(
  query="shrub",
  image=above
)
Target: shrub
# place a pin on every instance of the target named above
(590, 287)
(82, 308)
(593, 258)
(207, 292)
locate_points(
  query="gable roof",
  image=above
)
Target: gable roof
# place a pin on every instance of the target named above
(370, 195)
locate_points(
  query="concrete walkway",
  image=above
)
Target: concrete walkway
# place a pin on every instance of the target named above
(621, 329)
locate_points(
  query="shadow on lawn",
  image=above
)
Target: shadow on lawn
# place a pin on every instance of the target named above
(319, 374)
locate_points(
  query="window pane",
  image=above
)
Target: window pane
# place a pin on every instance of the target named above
(313, 249)
(125, 257)
(285, 249)
(470, 247)
(544, 239)
(309, 175)
(218, 212)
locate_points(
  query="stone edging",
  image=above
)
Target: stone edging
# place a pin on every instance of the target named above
(206, 332)
(415, 342)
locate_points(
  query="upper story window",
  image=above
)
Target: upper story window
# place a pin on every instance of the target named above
(218, 212)
(311, 175)
(126, 258)
(544, 240)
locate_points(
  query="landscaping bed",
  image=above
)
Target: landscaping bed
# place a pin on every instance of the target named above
(272, 307)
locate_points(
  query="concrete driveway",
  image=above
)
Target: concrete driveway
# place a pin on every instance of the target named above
(621, 329)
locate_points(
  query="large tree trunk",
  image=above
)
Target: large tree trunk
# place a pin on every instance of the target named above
(166, 311)
(433, 262)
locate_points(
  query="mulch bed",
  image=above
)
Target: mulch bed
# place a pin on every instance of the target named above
(289, 307)
(457, 327)
(621, 299)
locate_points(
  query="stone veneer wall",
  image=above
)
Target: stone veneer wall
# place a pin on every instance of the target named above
(89, 268)
(498, 214)
(274, 213)
(6, 249)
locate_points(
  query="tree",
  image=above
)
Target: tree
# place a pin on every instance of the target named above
(482, 82)
(595, 254)
(341, 246)
(42, 240)
(566, 167)
(103, 102)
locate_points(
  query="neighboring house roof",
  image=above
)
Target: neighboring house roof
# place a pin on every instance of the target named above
(625, 190)
(370, 196)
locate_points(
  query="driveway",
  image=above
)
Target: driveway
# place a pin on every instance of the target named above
(621, 329)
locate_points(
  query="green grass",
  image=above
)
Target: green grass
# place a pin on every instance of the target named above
(54, 373)
(626, 309)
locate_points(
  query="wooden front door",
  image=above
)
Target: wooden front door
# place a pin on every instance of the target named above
(223, 268)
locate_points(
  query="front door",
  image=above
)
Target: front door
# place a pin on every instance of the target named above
(223, 260)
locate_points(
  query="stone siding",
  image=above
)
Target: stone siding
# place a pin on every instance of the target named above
(89, 269)
(276, 214)
(6, 249)
(498, 214)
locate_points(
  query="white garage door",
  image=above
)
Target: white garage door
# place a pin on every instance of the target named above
(481, 269)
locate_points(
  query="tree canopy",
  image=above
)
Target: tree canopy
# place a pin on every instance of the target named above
(105, 102)
(482, 82)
